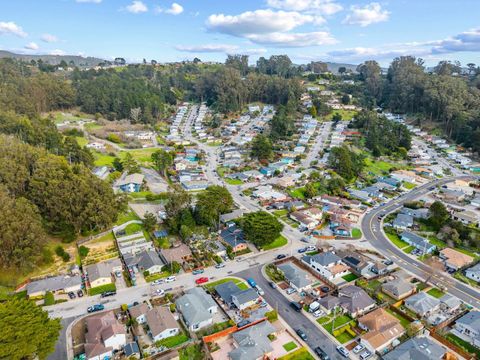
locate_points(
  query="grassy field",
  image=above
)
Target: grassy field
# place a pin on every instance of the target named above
(356, 233)
(126, 217)
(350, 277)
(81, 141)
(396, 240)
(436, 293)
(278, 242)
(100, 289)
(234, 181)
(346, 114)
(289, 346)
(280, 213)
(298, 193)
(377, 167)
(102, 159)
(341, 320)
(409, 186)
(242, 285)
(300, 354)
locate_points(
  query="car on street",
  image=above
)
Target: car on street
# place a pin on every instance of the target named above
(198, 271)
(118, 274)
(365, 355)
(388, 262)
(318, 313)
(219, 266)
(281, 256)
(201, 280)
(343, 351)
(170, 279)
(321, 354)
(251, 282)
(296, 306)
(80, 293)
(260, 291)
(302, 334)
(96, 307)
(71, 295)
(302, 250)
(159, 292)
(272, 285)
(157, 282)
(357, 349)
(108, 293)
(311, 248)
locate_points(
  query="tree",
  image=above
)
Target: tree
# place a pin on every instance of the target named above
(345, 162)
(261, 228)
(438, 215)
(149, 221)
(313, 111)
(130, 164)
(262, 147)
(211, 203)
(342, 70)
(162, 160)
(27, 331)
(310, 191)
(282, 125)
(175, 267)
(371, 73)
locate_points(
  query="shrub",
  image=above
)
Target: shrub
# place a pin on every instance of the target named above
(59, 250)
(271, 315)
(83, 251)
(66, 257)
(173, 307)
(49, 299)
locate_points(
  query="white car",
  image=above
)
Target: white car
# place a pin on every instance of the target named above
(358, 348)
(311, 248)
(219, 266)
(170, 279)
(318, 313)
(159, 292)
(157, 282)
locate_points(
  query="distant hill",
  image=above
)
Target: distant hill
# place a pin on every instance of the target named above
(54, 59)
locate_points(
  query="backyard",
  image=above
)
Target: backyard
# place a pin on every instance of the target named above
(342, 322)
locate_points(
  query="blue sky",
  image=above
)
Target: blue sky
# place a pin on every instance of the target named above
(331, 30)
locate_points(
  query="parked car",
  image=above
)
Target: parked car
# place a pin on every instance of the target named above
(318, 313)
(388, 262)
(251, 282)
(344, 352)
(365, 355)
(71, 295)
(290, 291)
(170, 279)
(219, 266)
(260, 291)
(159, 292)
(118, 274)
(357, 349)
(96, 307)
(302, 334)
(296, 306)
(311, 248)
(243, 323)
(325, 289)
(80, 293)
(263, 304)
(272, 285)
(302, 250)
(321, 354)
(281, 256)
(201, 280)
(158, 282)
(198, 271)
(108, 293)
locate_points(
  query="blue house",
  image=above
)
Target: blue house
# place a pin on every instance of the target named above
(131, 183)
(267, 171)
(390, 181)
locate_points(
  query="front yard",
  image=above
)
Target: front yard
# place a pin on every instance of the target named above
(173, 341)
(278, 242)
(340, 328)
(300, 354)
(436, 293)
(241, 284)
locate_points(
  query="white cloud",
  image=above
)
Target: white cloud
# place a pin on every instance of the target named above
(367, 15)
(208, 48)
(11, 28)
(89, 1)
(175, 9)
(465, 41)
(31, 46)
(257, 22)
(279, 39)
(325, 7)
(49, 38)
(56, 52)
(137, 7)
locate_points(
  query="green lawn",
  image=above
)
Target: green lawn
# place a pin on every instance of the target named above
(436, 293)
(346, 114)
(300, 354)
(192, 352)
(298, 193)
(234, 181)
(403, 321)
(278, 242)
(126, 217)
(340, 321)
(81, 140)
(133, 228)
(395, 239)
(324, 319)
(409, 186)
(437, 242)
(221, 170)
(141, 155)
(242, 285)
(377, 167)
(408, 249)
(173, 341)
(102, 159)
(105, 238)
(157, 276)
(280, 213)
(463, 344)
(356, 233)
(290, 346)
(100, 289)
(350, 277)
(344, 337)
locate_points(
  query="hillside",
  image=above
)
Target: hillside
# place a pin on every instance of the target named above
(54, 59)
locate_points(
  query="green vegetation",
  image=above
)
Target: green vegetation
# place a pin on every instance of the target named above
(345, 114)
(126, 217)
(298, 193)
(436, 293)
(350, 277)
(133, 228)
(27, 331)
(378, 167)
(234, 181)
(409, 186)
(215, 328)
(403, 320)
(102, 288)
(394, 238)
(261, 228)
(272, 315)
(173, 341)
(300, 354)
(156, 276)
(346, 163)
(240, 283)
(356, 233)
(290, 346)
(278, 242)
(280, 213)
(192, 352)
(49, 299)
(274, 273)
(463, 344)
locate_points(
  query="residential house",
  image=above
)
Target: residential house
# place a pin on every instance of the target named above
(358, 264)
(415, 213)
(422, 304)
(234, 237)
(226, 290)
(450, 303)
(104, 335)
(398, 288)
(195, 185)
(305, 221)
(403, 222)
(101, 273)
(161, 323)
(54, 284)
(180, 254)
(235, 214)
(467, 217)
(131, 350)
(147, 260)
(252, 343)
(327, 264)
(355, 301)
(131, 183)
(297, 278)
(404, 175)
(139, 312)
(266, 192)
(421, 348)
(418, 242)
(475, 201)
(286, 181)
(468, 327)
(197, 308)
(383, 328)
(473, 272)
(245, 298)
(454, 259)
(101, 172)
(361, 195)
(454, 196)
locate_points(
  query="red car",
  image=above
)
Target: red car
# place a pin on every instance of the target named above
(201, 280)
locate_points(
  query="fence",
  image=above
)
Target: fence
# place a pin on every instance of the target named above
(451, 346)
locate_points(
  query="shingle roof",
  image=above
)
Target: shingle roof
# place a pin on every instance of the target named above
(147, 259)
(418, 348)
(403, 220)
(252, 342)
(138, 310)
(194, 305)
(233, 236)
(325, 258)
(226, 290)
(295, 275)
(245, 296)
(132, 179)
(102, 269)
(471, 319)
(54, 283)
(354, 298)
(422, 303)
(398, 287)
(160, 319)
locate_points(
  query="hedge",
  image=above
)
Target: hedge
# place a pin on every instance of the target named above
(49, 299)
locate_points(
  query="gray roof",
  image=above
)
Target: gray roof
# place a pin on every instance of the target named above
(450, 301)
(245, 296)
(403, 220)
(226, 290)
(325, 258)
(131, 179)
(54, 283)
(194, 305)
(329, 302)
(416, 240)
(149, 258)
(295, 275)
(102, 269)
(353, 298)
(252, 342)
(235, 214)
(416, 213)
(474, 269)
(422, 303)
(398, 287)
(418, 348)
(471, 319)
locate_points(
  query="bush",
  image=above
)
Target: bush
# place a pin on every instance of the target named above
(59, 250)
(114, 138)
(66, 257)
(271, 315)
(173, 307)
(83, 251)
(49, 299)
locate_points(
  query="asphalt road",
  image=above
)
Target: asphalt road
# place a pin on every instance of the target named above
(372, 230)
(296, 320)
(60, 352)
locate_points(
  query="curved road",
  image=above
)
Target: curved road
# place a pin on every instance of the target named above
(372, 230)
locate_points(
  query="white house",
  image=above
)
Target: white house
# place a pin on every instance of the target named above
(161, 323)
(197, 308)
(327, 264)
(469, 327)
